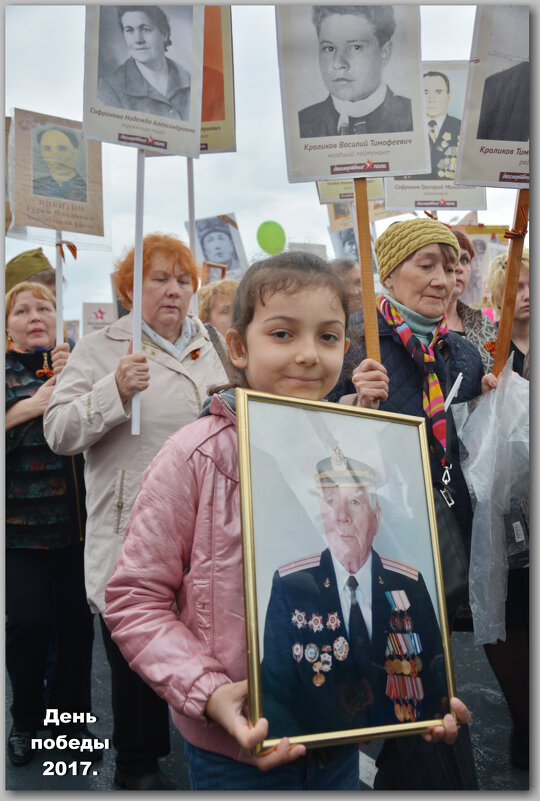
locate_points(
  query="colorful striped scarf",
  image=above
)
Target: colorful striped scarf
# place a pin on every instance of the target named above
(424, 356)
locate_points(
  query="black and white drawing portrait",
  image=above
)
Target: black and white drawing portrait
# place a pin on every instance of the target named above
(144, 59)
(355, 46)
(220, 243)
(59, 163)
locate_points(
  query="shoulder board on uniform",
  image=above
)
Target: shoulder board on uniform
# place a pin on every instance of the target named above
(399, 567)
(300, 564)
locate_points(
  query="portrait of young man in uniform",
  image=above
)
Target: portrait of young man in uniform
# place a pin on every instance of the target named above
(351, 639)
(355, 46)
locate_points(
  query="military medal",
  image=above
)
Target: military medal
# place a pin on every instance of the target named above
(298, 619)
(326, 662)
(311, 652)
(318, 678)
(341, 649)
(407, 623)
(389, 666)
(316, 622)
(332, 621)
(398, 711)
(298, 651)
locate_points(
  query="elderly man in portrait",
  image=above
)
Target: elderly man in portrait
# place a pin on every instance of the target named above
(443, 129)
(354, 48)
(148, 81)
(351, 637)
(59, 149)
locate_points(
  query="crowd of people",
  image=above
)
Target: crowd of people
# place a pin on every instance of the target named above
(144, 532)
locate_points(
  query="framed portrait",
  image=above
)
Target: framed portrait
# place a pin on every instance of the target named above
(494, 145)
(347, 635)
(55, 175)
(218, 241)
(351, 90)
(143, 77)
(211, 271)
(444, 96)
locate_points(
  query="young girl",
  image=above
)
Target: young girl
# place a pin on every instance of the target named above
(175, 602)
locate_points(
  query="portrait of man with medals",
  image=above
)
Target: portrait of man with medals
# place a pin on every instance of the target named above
(351, 639)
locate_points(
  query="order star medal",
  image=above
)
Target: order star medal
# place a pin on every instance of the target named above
(298, 651)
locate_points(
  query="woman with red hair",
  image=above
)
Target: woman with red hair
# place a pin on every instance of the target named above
(90, 411)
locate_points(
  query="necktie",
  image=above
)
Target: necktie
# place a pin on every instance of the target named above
(358, 634)
(431, 130)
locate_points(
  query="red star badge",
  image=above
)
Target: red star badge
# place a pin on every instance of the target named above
(368, 165)
(99, 314)
(150, 141)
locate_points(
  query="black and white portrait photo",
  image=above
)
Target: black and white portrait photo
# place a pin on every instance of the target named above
(138, 70)
(58, 163)
(354, 47)
(351, 90)
(218, 241)
(504, 111)
(494, 143)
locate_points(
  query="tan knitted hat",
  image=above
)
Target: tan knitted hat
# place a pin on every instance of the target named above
(401, 239)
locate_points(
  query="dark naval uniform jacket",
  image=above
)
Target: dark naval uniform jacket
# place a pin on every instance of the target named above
(321, 119)
(306, 638)
(127, 88)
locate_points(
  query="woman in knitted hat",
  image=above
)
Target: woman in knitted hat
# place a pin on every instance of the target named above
(420, 361)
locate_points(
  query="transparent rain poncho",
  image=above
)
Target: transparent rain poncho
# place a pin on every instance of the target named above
(493, 431)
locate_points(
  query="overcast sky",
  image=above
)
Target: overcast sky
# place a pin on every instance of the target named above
(44, 73)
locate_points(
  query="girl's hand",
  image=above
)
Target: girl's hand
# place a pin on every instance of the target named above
(489, 381)
(371, 381)
(227, 707)
(59, 355)
(132, 374)
(448, 730)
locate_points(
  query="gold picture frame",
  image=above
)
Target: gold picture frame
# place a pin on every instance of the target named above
(302, 675)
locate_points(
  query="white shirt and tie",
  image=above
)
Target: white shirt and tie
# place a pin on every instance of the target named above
(363, 591)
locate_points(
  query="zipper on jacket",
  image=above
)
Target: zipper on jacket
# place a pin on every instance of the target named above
(120, 502)
(77, 499)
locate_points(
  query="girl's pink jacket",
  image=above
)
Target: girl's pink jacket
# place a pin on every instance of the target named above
(174, 603)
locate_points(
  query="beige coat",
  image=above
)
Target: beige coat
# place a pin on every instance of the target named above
(86, 414)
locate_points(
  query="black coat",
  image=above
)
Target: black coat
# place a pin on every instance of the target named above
(292, 702)
(321, 119)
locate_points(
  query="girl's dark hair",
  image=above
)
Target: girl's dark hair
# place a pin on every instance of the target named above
(288, 272)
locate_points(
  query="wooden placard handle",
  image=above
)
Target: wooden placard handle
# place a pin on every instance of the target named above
(511, 281)
(369, 306)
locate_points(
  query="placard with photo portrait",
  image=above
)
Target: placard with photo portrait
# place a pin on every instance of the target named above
(351, 90)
